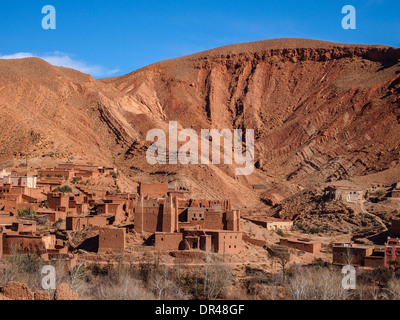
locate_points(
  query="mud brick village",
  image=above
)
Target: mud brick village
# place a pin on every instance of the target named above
(75, 214)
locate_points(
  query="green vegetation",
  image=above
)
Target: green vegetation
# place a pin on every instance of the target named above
(280, 233)
(22, 213)
(380, 193)
(314, 230)
(299, 226)
(58, 222)
(44, 204)
(64, 189)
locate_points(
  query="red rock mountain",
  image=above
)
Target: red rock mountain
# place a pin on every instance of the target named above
(321, 111)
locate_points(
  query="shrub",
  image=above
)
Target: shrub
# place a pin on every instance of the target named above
(280, 232)
(58, 222)
(299, 226)
(23, 212)
(314, 230)
(64, 189)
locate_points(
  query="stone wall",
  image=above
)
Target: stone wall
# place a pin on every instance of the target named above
(111, 239)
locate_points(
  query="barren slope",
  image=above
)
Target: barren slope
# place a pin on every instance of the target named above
(321, 111)
(47, 109)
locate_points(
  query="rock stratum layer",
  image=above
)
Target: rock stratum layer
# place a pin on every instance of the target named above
(321, 111)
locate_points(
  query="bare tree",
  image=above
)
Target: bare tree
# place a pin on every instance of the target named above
(217, 277)
(160, 282)
(309, 283)
(281, 255)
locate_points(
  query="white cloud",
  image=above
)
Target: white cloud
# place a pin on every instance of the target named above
(19, 55)
(62, 59)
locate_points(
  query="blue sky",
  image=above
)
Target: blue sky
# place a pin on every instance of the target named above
(109, 38)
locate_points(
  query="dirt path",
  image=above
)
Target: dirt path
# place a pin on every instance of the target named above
(365, 211)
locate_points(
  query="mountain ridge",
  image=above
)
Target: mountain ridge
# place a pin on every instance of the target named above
(321, 111)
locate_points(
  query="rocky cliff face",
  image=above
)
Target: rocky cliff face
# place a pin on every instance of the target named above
(321, 111)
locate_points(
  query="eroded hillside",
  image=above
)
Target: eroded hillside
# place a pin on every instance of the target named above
(321, 111)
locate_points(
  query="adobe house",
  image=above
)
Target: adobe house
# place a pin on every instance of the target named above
(157, 190)
(196, 239)
(377, 259)
(270, 223)
(57, 201)
(120, 208)
(23, 227)
(86, 174)
(8, 189)
(218, 205)
(191, 239)
(109, 208)
(58, 174)
(27, 243)
(346, 194)
(48, 186)
(111, 239)
(350, 254)
(18, 197)
(23, 181)
(205, 224)
(156, 215)
(392, 253)
(225, 241)
(302, 244)
(207, 218)
(77, 223)
(167, 241)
